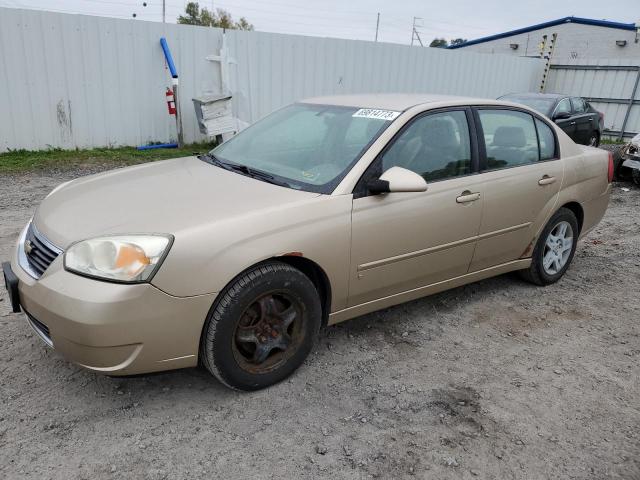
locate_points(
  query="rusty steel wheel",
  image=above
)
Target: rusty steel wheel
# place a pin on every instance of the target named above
(261, 327)
(269, 332)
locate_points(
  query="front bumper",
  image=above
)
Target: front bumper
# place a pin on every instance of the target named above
(107, 327)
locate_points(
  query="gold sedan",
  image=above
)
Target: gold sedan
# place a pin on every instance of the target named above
(323, 211)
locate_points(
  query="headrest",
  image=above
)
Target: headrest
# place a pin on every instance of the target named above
(509, 137)
(439, 133)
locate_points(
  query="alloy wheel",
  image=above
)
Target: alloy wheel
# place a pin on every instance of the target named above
(557, 248)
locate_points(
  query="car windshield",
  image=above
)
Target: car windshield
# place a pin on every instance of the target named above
(541, 104)
(304, 146)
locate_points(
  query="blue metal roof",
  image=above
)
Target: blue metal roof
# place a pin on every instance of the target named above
(552, 23)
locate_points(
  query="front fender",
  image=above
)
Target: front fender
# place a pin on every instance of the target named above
(206, 258)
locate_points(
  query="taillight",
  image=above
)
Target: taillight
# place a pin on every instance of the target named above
(610, 171)
(601, 115)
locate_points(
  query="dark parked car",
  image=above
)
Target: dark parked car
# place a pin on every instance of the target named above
(574, 115)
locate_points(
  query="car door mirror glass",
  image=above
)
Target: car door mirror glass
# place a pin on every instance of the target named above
(397, 179)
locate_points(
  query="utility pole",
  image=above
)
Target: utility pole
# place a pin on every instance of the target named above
(414, 32)
(377, 26)
(164, 9)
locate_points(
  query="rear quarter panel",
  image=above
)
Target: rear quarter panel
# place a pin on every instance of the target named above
(585, 180)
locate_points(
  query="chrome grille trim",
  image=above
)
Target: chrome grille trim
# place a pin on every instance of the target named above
(42, 256)
(41, 329)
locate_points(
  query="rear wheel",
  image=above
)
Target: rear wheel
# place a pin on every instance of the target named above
(554, 249)
(594, 139)
(262, 327)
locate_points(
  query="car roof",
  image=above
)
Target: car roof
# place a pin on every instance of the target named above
(392, 101)
(537, 95)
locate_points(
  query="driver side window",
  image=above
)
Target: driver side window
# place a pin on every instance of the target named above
(435, 146)
(564, 106)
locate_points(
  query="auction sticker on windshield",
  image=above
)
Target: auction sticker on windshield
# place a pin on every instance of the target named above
(380, 114)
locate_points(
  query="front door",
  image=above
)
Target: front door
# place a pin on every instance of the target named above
(521, 183)
(568, 124)
(402, 241)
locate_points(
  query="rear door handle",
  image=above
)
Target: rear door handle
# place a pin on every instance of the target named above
(572, 123)
(546, 180)
(467, 196)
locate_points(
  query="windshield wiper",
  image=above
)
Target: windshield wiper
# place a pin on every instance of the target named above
(244, 170)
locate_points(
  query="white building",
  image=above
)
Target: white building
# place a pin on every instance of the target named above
(577, 39)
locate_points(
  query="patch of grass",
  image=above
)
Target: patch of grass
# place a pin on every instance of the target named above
(25, 160)
(612, 141)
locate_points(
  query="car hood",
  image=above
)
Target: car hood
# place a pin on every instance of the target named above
(169, 196)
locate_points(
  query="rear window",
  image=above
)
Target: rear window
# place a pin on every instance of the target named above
(510, 138)
(539, 104)
(579, 105)
(547, 141)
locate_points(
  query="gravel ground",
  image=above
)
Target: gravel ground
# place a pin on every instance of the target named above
(495, 380)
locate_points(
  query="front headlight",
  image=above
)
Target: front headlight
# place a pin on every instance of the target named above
(121, 258)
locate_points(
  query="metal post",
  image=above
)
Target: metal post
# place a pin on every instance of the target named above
(630, 105)
(413, 30)
(377, 26)
(176, 98)
(164, 9)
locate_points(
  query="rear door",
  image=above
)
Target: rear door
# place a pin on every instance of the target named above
(583, 119)
(567, 124)
(522, 175)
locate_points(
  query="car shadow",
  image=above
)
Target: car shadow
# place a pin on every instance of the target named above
(152, 387)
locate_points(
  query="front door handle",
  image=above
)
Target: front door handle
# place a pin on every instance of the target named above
(467, 196)
(546, 180)
(572, 123)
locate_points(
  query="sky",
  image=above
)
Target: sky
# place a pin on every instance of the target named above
(356, 19)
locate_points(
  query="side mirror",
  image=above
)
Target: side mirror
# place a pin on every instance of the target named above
(397, 179)
(561, 115)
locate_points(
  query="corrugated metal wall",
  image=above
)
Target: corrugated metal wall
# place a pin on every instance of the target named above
(274, 70)
(79, 81)
(603, 84)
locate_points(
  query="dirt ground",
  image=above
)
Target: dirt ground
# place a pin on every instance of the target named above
(495, 380)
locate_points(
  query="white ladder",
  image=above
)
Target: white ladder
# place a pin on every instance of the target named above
(546, 52)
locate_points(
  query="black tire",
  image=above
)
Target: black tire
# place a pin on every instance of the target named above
(594, 139)
(536, 273)
(247, 308)
(618, 170)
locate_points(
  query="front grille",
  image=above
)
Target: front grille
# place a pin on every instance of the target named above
(40, 328)
(39, 251)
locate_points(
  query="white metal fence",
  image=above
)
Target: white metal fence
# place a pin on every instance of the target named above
(79, 81)
(611, 86)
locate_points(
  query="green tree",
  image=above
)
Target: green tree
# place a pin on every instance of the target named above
(194, 15)
(438, 43)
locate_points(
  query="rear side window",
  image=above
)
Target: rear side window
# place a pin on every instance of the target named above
(547, 141)
(510, 138)
(436, 146)
(578, 105)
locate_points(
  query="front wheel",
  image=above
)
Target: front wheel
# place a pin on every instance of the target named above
(554, 249)
(262, 327)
